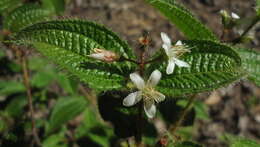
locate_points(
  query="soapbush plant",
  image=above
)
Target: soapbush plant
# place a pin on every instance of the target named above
(131, 88)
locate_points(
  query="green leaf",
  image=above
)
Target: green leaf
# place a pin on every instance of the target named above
(186, 133)
(69, 85)
(76, 35)
(65, 109)
(58, 6)
(187, 144)
(55, 140)
(96, 78)
(16, 106)
(25, 15)
(235, 141)
(251, 62)
(69, 42)
(7, 5)
(258, 7)
(183, 20)
(42, 79)
(212, 65)
(11, 87)
(201, 110)
(2, 53)
(93, 129)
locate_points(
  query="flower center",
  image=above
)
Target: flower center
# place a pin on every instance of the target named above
(178, 50)
(148, 93)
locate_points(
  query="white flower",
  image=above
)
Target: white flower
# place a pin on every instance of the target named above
(104, 55)
(225, 14)
(234, 15)
(173, 53)
(146, 92)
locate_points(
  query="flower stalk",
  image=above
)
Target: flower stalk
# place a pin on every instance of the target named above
(183, 114)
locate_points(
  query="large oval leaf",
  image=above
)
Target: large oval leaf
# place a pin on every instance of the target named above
(78, 35)
(212, 65)
(69, 42)
(183, 19)
(251, 63)
(24, 16)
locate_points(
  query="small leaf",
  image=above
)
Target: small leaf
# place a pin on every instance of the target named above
(58, 6)
(16, 106)
(68, 84)
(251, 62)
(183, 19)
(42, 79)
(11, 87)
(93, 129)
(23, 16)
(55, 140)
(212, 65)
(66, 109)
(201, 110)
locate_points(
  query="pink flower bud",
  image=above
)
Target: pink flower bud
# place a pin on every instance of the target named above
(104, 55)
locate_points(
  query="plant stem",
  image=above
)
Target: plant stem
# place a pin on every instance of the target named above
(253, 23)
(23, 61)
(139, 131)
(130, 60)
(153, 60)
(183, 115)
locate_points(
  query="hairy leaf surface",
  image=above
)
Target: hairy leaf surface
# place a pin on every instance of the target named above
(97, 75)
(24, 16)
(251, 63)
(212, 65)
(69, 42)
(183, 19)
(78, 34)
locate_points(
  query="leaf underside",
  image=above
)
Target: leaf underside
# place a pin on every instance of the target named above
(212, 65)
(183, 20)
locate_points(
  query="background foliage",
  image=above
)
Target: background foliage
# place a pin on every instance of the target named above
(67, 113)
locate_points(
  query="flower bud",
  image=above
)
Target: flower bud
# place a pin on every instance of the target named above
(104, 55)
(229, 20)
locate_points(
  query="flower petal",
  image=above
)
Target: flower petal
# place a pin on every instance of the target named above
(234, 15)
(181, 63)
(154, 78)
(170, 67)
(132, 98)
(137, 80)
(166, 49)
(166, 40)
(98, 56)
(150, 110)
(179, 43)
